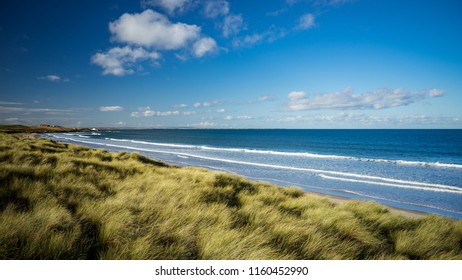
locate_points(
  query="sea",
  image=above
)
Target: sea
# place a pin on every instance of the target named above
(418, 170)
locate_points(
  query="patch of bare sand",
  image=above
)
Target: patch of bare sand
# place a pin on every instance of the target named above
(402, 212)
(27, 135)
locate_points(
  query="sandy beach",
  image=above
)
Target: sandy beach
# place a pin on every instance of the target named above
(402, 212)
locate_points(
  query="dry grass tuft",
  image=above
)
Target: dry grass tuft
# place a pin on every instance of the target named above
(61, 201)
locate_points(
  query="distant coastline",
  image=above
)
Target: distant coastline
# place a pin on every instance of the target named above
(42, 128)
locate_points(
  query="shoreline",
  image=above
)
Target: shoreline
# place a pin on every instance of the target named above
(43, 128)
(68, 201)
(333, 198)
(395, 210)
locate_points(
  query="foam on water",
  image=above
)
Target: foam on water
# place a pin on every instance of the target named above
(292, 154)
(319, 172)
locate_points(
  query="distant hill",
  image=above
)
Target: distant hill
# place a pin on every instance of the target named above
(43, 128)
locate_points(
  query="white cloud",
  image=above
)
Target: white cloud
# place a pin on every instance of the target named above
(12, 119)
(321, 2)
(334, 3)
(221, 111)
(111, 108)
(276, 12)
(146, 35)
(119, 61)
(181, 57)
(296, 95)
(22, 110)
(270, 35)
(168, 113)
(244, 117)
(265, 98)
(436, 92)
(208, 104)
(205, 124)
(248, 40)
(204, 46)
(181, 106)
(188, 113)
(171, 6)
(154, 30)
(346, 100)
(215, 103)
(232, 24)
(147, 112)
(305, 22)
(9, 103)
(362, 120)
(51, 78)
(215, 8)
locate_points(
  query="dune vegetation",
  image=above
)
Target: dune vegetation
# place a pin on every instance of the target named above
(63, 201)
(43, 128)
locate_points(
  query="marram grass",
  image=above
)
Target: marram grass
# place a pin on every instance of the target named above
(62, 201)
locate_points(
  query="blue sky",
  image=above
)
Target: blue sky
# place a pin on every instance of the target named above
(232, 64)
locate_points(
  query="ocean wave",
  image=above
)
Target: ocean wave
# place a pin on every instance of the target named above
(153, 143)
(327, 174)
(117, 140)
(359, 194)
(414, 186)
(164, 144)
(71, 134)
(398, 201)
(293, 154)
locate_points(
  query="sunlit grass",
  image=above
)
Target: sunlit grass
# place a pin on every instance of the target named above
(62, 201)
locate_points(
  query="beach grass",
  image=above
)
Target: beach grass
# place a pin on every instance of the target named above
(43, 128)
(63, 201)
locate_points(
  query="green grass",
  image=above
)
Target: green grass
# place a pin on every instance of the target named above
(62, 201)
